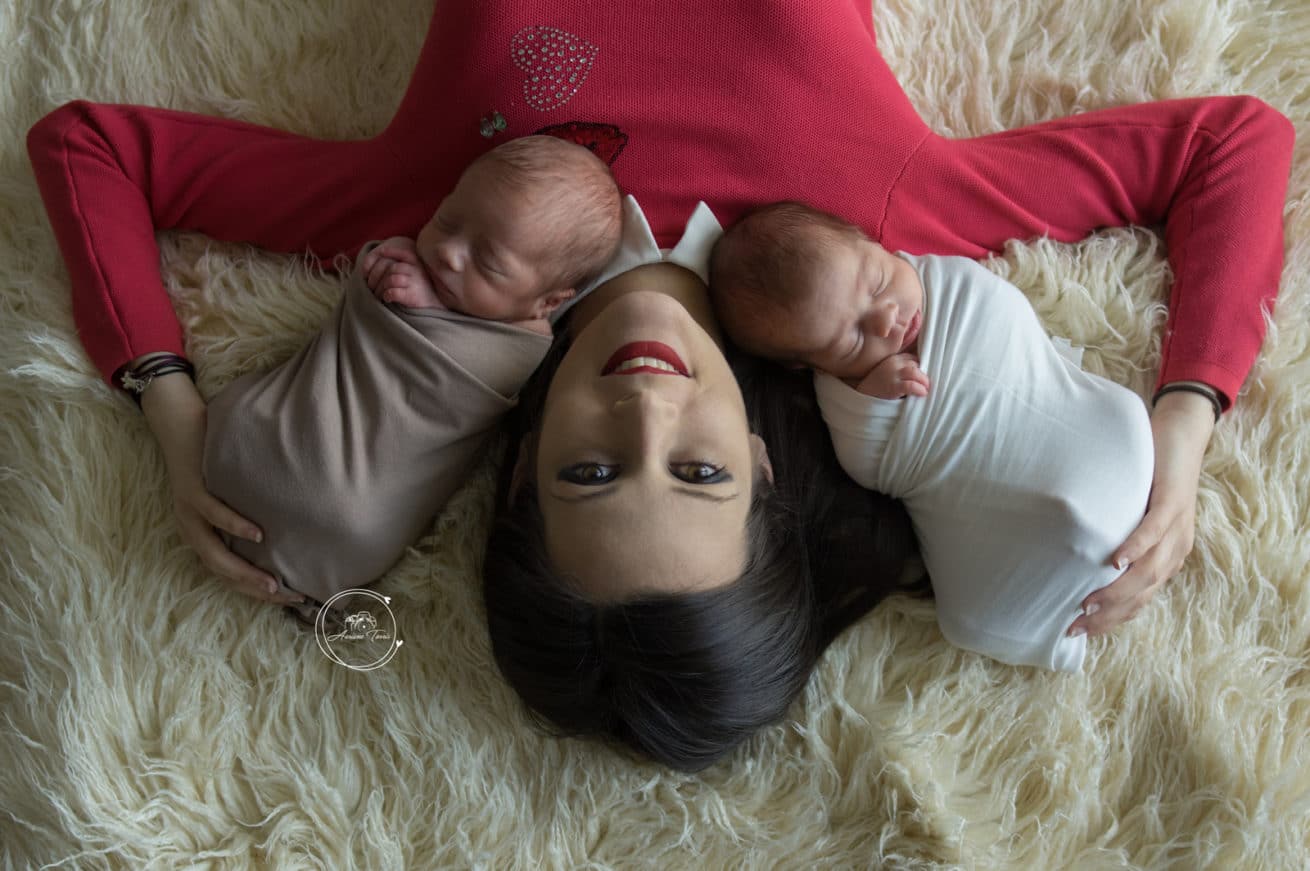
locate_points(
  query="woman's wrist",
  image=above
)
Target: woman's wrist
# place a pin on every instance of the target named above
(1195, 388)
(173, 408)
(137, 376)
(1184, 411)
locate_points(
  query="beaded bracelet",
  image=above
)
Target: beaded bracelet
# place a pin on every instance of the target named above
(135, 381)
(1201, 389)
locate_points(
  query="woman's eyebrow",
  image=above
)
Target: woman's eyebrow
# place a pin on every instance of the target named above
(694, 492)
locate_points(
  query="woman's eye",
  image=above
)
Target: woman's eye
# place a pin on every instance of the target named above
(587, 474)
(701, 473)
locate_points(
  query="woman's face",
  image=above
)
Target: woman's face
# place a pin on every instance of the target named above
(645, 462)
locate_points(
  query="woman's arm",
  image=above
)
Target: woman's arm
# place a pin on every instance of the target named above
(1181, 425)
(176, 415)
(111, 176)
(1214, 173)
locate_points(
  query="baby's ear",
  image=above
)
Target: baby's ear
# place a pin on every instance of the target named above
(553, 300)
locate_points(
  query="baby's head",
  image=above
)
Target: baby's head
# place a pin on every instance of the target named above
(527, 223)
(804, 287)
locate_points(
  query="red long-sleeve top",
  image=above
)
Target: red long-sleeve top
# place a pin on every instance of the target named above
(737, 103)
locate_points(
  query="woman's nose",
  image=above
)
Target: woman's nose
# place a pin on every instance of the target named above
(646, 413)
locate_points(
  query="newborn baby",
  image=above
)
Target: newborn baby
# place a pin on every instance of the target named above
(1021, 472)
(345, 453)
(527, 223)
(805, 288)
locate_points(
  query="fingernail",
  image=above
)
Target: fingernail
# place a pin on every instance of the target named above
(1091, 608)
(257, 535)
(1076, 631)
(272, 588)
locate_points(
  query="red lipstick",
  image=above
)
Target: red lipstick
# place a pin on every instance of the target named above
(654, 350)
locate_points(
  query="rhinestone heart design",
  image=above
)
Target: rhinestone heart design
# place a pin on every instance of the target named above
(555, 63)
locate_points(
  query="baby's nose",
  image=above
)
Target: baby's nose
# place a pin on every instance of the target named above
(448, 255)
(886, 319)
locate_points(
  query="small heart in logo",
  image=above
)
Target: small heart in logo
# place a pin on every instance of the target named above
(555, 62)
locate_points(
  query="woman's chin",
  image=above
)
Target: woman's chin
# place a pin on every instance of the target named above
(640, 316)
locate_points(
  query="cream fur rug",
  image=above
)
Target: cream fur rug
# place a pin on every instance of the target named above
(151, 719)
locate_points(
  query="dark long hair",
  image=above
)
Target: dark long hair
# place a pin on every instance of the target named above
(684, 678)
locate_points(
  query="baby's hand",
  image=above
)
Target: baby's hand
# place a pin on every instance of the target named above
(393, 272)
(897, 376)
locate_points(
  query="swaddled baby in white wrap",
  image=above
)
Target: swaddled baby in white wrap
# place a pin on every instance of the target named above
(1021, 473)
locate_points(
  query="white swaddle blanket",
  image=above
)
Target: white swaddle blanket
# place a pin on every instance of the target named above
(1021, 472)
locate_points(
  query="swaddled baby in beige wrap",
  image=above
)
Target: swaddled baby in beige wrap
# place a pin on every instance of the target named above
(345, 453)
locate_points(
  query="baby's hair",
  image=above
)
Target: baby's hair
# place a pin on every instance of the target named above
(576, 195)
(759, 264)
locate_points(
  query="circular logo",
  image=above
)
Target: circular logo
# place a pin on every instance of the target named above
(356, 628)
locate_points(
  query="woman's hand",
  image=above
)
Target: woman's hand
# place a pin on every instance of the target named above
(1181, 425)
(176, 414)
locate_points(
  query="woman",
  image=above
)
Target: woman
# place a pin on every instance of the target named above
(810, 102)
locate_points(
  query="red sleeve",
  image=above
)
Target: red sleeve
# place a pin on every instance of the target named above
(761, 101)
(112, 175)
(1212, 171)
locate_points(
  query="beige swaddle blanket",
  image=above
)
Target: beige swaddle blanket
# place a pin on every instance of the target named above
(345, 453)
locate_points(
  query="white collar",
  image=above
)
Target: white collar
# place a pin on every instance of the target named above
(637, 247)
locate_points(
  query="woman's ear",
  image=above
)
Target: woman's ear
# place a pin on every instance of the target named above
(760, 457)
(525, 467)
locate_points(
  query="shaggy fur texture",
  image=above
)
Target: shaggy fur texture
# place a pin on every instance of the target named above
(149, 718)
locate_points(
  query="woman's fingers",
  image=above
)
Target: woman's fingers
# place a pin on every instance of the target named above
(1121, 601)
(198, 530)
(1161, 543)
(1155, 551)
(1144, 538)
(217, 513)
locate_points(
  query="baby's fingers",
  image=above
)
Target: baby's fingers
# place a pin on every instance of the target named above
(366, 265)
(378, 271)
(916, 377)
(398, 253)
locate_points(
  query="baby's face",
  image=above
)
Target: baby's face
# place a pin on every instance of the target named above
(862, 305)
(485, 253)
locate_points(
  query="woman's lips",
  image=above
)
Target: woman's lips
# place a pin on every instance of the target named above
(912, 331)
(645, 357)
